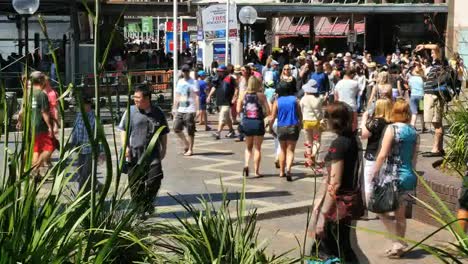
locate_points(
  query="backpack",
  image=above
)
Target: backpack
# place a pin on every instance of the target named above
(439, 82)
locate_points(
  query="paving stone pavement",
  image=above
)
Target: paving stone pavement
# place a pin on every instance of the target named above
(281, 205)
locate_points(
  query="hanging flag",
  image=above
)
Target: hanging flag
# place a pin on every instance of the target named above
(147, 24)
(133, 27)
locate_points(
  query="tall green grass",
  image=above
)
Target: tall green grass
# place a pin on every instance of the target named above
(50, 222)
(457, 139)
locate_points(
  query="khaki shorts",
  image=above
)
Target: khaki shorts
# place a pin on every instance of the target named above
(224, 114)
(433, 108)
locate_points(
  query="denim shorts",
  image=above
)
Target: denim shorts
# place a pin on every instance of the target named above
(414, 104)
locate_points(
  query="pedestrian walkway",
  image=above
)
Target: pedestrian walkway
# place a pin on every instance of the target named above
(282, 233)
(281, 205)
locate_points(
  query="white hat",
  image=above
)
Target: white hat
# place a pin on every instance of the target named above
(339, 55)
(273, 62)
(348, 54)
(310, 87)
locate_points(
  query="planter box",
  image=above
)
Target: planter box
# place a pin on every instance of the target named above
(445, 186)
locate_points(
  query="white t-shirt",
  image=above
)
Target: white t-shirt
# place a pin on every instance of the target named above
(311, 107)
(347, 91)
(188, 92)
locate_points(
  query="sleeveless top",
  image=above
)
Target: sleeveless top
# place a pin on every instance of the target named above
(287, 112)
(399, 164)
(251, 107)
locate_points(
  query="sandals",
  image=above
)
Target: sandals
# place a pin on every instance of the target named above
(395, 253)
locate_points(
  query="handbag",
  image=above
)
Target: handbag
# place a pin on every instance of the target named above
(385, 193)
(384, 197)
(349, 205)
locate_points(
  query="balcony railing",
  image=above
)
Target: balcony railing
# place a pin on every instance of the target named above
(370, 1)
(146, 1)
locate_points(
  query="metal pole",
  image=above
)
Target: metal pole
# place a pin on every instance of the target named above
(227, 34)
(157, 34)
(175, 53)
(26, 37)
(246, 43)
(181, 34)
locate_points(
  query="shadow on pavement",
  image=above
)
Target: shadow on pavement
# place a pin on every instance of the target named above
(416, 254)
(213, 197)
(212, 154)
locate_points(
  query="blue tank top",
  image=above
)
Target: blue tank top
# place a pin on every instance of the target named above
(287, 115)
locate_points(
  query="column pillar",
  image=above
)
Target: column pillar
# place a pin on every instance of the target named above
(351, 29)
(74, 43)
(269, 37)
(311, 32)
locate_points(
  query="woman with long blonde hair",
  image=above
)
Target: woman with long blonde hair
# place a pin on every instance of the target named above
(372, 129)
(383, 88)
(254, 107)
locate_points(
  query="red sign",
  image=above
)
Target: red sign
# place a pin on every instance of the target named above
(170, 26)
(171, 45)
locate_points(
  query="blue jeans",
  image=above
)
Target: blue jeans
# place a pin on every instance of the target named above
(414, 104)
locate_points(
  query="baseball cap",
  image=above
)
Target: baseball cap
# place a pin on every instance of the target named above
(185, 68)
(339, 55)
(221, 68)
(273, 62)
(201, 73)
(87, 99)
(237, 69)
(310, 86)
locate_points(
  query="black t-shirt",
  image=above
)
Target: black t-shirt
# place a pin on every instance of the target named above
(225, 91)
(376, 126)
(345, 147)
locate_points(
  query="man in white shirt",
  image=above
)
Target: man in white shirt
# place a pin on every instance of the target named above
(185, 108)
(347, 91)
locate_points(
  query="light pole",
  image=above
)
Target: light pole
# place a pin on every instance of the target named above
(247, 16)
(226, 49)
(26, 8)
(175, 55)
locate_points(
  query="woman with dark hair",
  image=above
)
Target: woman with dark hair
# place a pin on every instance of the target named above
(342, 162)
(214, 66)
(288, 111)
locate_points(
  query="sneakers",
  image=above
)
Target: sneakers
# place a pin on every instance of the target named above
(217, 135)
(231, 134)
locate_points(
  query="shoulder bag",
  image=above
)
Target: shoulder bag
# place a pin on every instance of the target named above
(384, 197)
(349, 205)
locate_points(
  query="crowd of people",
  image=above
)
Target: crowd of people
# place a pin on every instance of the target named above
(314, 92)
